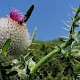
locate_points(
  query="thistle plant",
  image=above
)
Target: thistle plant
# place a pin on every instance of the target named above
(15, 39)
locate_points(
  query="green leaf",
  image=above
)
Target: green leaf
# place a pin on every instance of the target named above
(5, 47)
(28, 13)
(22, 59)
(33, 35)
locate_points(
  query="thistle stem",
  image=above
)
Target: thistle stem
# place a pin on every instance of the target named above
(63, 46)
(47, 57)
(44, 59)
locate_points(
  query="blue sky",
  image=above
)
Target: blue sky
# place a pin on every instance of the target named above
(48, 15)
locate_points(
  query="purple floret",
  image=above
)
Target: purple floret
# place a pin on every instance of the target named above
(17, 16)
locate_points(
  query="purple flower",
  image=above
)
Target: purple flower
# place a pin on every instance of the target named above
(17, 16)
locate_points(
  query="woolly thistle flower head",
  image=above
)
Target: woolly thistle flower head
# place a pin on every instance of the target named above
(10, 27)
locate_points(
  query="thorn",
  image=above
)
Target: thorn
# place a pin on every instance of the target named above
(72, 8)
(66, 24)
(66, 29)
(73, 13)
(68, 21)
(70, 16)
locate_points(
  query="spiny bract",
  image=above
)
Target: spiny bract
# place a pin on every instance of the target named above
(11, 28)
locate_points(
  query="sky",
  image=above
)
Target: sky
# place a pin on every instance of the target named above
(48, 15)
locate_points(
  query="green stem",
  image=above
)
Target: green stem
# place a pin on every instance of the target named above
(48, 56)
(63, 46)
(44, 59)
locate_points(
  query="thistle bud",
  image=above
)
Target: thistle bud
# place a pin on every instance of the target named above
(14, 27)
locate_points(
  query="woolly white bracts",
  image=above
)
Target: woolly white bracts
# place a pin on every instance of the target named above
(18, 34)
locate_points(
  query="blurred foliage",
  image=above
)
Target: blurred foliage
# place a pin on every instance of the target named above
(42, 48)
(38, 50)
(53, 69)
